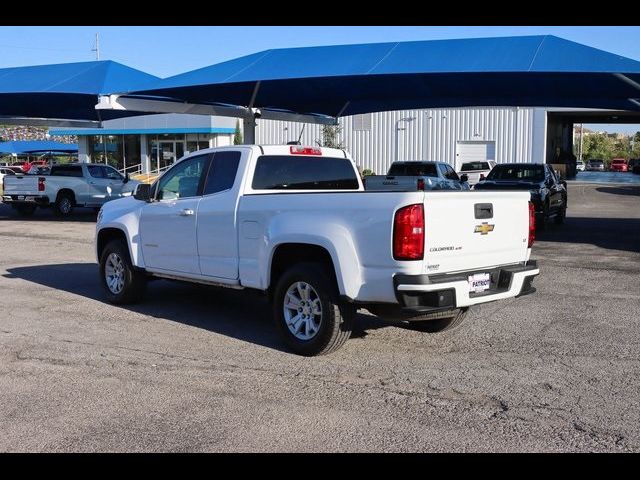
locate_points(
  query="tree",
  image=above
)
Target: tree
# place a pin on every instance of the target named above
(331, 136)
(237, 136)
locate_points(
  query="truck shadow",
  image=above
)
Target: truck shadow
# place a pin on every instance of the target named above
(79, 214)
(244, 315)
(609, 233)
(634, 191)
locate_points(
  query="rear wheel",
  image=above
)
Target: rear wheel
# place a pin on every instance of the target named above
(308, 313)
(561, 215)
(542, 219)
(121, 282)
(64, 205)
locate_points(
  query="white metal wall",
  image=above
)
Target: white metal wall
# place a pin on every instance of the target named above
(432, 134)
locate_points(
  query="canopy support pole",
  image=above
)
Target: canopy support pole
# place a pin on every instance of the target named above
(249, 130)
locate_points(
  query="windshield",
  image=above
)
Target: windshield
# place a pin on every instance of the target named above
(529, 173)
(413, 170)
(467, 167)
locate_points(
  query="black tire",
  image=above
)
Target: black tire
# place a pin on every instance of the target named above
(542, 219)
(64, 205)
(133, 281)
(561, 216)
(336, 318)
(25, 210)
(439, 321)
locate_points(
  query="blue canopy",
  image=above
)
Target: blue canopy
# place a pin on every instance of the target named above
(351, 79)
(36, 146)
(66, 91)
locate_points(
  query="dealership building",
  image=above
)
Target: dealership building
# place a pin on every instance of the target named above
(454, 135)
(149, 143)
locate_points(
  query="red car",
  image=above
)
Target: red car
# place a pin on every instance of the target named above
(619, 165)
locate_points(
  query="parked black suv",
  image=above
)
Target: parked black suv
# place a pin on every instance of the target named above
(548, 192)
(634, 165)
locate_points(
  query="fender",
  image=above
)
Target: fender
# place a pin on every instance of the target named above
(123, 215)
(320, 230)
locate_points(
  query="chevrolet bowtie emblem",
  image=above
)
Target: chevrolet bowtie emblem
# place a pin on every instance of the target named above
(484, 228)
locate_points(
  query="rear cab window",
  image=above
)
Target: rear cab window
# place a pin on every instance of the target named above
(302, 172)
(470, 166)
(413, 170)
(66, 171)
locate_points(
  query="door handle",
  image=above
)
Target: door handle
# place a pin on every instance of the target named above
(186, 212)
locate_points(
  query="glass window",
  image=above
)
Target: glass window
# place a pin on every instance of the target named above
(397, 170)
(96, 171)
(468, 167)
(416, 169)
(111, 173)
(66, 171)
(421, 170)
(222, 173)
(517, 172)
(183, 180)
(451, 173)
(299, 172)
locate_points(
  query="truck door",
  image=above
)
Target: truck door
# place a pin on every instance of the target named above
(168, 224)
(217, 229)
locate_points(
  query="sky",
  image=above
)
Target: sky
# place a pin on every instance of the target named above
(166, 50)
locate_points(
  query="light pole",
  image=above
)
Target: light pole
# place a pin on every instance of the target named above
(581, 139)
(403, 119)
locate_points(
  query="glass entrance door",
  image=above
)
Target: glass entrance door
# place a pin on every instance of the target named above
(166, 154)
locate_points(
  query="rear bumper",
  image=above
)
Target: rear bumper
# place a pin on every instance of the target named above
(30, 199)
(425, 293)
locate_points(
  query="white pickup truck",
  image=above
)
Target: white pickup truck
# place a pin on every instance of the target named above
(295, 223)
(67, 186)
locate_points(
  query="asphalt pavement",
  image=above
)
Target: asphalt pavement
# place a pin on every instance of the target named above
(200, 369)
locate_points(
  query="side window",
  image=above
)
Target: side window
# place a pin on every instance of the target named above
(96, 171)
(451, 173)
(183, 180)
(111, 173)
(443, 170)
(222, 173)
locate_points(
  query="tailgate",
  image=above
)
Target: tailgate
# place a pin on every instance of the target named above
(21, 185)
(456, 240)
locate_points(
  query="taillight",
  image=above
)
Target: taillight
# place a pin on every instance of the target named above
(41, 184)
(421, 184)
(532, 224)
(408, 233)
(295, 150)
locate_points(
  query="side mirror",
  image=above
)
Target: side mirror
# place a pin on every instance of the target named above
(464, 177)
(142, 192)
(126, 178)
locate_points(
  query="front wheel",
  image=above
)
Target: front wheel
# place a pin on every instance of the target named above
(308, 312)
(121, 282)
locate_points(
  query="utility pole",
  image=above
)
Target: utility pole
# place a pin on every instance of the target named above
(97, 47)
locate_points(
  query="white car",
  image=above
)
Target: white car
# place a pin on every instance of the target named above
(476, 171)
(580, 167)
(5, 171)
(295, 223)
(65, 187)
